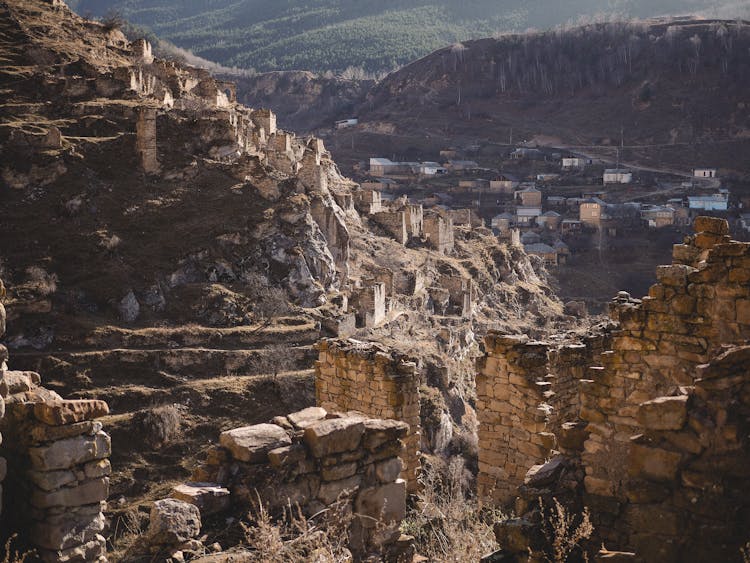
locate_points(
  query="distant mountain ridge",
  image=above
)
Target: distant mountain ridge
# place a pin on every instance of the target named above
(321, 35)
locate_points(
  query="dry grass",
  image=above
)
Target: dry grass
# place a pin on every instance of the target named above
(447, 524)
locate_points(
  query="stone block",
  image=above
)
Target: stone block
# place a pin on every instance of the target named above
(663, 413)
(287, 455)
(653, 463)
(71, 451)
(329, 492)
(388, 471)
(210, 498)
(89, 492)
(675, 275)
(338, 472)
(713, 225)
(45, 433)
(173, 522)
(334, 436)
(382, 504)
(306, 417)
(252, 443)
(544, 474)
(66, 531)
(69, 412)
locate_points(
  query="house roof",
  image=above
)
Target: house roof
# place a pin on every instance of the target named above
(538, 248)
(529, 189)
(551, 214)
(381, 161)
(503, 216)
(528, 211)
(617, 171)
(560, 245)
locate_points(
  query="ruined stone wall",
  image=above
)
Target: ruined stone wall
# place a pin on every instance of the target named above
(393, 223)
(312, 458)
(439, 233)
(55, 463)
(527, 404)
(512, 415)
(701, 302)
(146, 140)
(369, 304)
(366, 377)
(688, 469)
(414, 220)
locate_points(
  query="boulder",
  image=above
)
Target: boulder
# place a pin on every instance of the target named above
(252, 443)
(173, 522)
(307, 417)
(210, 498)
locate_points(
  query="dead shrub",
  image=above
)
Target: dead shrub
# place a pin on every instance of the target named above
(40, 281)
(158, 426)
(447, 523)
(12, 555)
(564, 531)
(322, 537)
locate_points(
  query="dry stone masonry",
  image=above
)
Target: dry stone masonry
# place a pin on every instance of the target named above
(662, 431)
(366, 377)
(316, 459)
(58, 468)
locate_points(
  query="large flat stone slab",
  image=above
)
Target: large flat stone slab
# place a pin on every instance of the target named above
(252, 443)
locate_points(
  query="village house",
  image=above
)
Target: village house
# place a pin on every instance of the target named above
(530, 237)
(550, 220)
(617, 176)
(547, 177)
(346, 123)
(458, 165)
(386, 167)
(523, 153)
(556, 201)
(681, 213)
(591, 212)
(504, 183)
(713, 202)
(600, 194)
(544, 251)
(529, 197)
(575, 162)
(570, 226)
(526, 216)
(563, 251)
(657, 216)
(704, 173)
(432, 169)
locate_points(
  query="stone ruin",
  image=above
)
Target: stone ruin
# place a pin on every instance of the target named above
(656, 433)
(313, 459)
(366, 377)
(55, 465)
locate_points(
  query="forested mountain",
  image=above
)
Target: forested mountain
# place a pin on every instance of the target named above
(322, 35)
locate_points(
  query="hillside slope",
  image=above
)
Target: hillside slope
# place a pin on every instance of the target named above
(334, 34)
(668, 93)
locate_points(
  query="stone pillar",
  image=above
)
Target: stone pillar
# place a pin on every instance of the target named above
(146, 140)
(59, 468)
(366, 377)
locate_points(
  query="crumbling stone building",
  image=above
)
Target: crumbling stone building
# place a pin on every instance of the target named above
(661, 410)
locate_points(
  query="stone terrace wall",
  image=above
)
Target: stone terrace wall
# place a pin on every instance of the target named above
(312, 458)
(366, 377)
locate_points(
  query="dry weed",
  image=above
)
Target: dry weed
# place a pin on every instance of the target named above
(321, 538)
(565, 531)
(448, 525)
(12, 555)
(745, 552)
